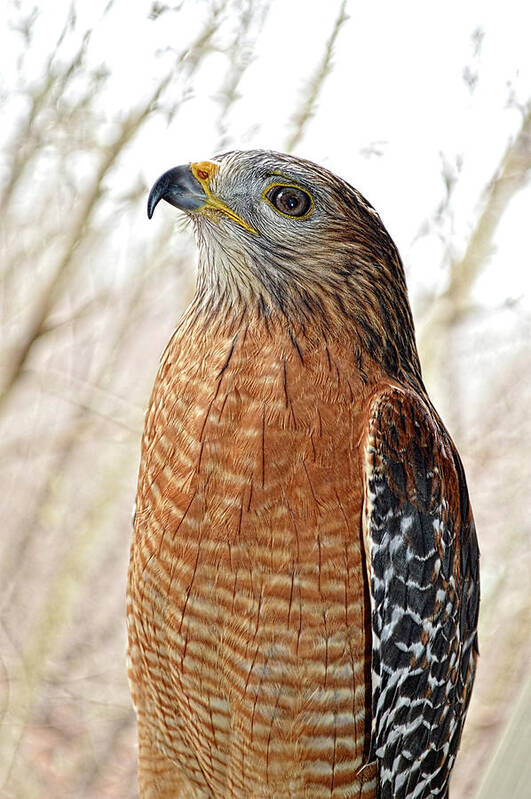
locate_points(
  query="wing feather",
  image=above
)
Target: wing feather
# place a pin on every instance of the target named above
(422, 558)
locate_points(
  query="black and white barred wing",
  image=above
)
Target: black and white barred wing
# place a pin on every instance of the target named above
(422, 561)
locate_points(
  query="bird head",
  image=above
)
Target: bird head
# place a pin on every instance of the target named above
(284, 236)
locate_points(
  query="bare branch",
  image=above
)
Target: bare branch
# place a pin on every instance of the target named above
(54, 617)
(48, 294)
(304, 114)
(240, 56)
(511, 176)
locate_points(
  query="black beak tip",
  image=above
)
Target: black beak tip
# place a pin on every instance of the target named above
(179, 188)
(159, 191)
(154, 196)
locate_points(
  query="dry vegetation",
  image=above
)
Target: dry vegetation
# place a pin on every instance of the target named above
(86, 309)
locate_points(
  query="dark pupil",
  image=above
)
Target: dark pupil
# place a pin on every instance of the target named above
(293, 202)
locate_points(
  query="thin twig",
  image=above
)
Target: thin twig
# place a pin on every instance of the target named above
(509, 178)
(303, 116)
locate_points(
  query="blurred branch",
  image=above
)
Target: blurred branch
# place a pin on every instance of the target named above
(86, 310)
(252, 16)
(86, 404)
(48, 295)
(87, 778)
(53, 621)
(303, 116)
(27, 140)
(511, 176)
(189, 58)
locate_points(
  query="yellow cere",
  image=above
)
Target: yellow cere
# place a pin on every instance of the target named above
(203, 171)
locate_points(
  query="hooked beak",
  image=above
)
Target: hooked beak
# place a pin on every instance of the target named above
(180, 188)
(188, 188)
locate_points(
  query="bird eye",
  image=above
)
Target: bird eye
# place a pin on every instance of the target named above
(290, 200)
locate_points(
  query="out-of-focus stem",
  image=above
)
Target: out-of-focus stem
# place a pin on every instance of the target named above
(53, 620)
(46, 300)
(510, 177)
(304, 114)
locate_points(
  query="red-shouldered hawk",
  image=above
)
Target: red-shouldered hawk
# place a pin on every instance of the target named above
(303, 587)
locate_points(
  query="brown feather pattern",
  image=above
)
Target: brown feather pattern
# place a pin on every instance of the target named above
(247, 564)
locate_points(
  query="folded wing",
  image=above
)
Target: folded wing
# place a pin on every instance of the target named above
(422, 561)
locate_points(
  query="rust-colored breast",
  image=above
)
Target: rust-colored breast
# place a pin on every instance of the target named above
(247, 609)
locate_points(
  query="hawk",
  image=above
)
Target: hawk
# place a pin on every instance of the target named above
(303, 585)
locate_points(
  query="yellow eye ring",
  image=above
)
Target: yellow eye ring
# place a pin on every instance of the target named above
(273, 194)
